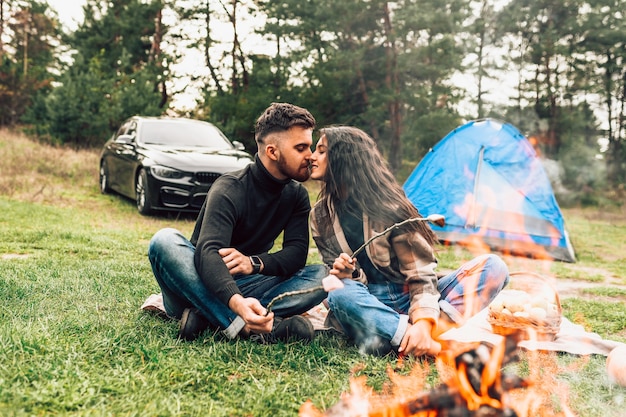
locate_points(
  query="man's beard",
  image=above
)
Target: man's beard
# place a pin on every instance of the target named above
(301, 174)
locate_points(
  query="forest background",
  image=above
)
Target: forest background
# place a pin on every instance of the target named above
(407, 72)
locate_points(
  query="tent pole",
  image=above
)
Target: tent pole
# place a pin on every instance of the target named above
(472, 217)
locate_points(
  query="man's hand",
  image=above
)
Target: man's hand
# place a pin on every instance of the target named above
(252, 312)
(343, 266)
(236, 262)
(418, 340)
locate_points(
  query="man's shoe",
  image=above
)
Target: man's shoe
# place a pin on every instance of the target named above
(296, 328)
(192, 324)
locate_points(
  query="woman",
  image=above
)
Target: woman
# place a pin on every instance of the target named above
(394, 299)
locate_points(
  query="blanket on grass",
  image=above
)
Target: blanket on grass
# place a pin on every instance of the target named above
(571, 338)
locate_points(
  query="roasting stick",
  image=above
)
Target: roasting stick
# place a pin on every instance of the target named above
(331, 284)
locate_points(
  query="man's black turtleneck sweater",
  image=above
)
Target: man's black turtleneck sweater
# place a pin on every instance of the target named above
(247, 210)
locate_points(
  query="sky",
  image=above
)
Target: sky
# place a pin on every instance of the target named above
(70, 11)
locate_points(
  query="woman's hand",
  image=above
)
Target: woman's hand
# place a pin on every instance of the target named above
(343, 266)
(418, 340)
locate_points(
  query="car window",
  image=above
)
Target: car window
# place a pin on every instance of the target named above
(122, 129)
(129, 127)
(183, 133)
(132, 128)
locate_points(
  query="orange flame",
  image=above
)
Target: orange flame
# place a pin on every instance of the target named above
(399, 399)
(486, 208)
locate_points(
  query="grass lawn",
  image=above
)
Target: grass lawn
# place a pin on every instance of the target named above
(74, 272)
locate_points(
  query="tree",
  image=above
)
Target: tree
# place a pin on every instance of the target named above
(119, 70)
(373, 64)
(575, 53)
(434, 52)
(543, 31)
(603, 42)
(27, 59)
(200, 15)
(232, 96)
(483, 44)
(2, 3)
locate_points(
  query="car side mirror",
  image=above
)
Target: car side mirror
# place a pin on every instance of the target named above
(238, 145)
(125, 139)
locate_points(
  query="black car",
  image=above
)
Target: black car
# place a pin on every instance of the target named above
(167, 163)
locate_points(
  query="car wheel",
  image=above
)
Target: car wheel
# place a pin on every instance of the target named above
(142, 193)
(104, 178)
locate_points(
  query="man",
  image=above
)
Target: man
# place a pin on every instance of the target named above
(224, 276)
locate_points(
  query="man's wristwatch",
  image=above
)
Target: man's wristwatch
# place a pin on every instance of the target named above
(256, 264)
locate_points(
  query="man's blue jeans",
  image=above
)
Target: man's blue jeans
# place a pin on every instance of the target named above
(375, 315)
(172, 259)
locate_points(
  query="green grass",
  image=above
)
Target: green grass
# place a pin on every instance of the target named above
(599, 238)
(74, 340)
(606, 292)
(74, 272)
(608, 319)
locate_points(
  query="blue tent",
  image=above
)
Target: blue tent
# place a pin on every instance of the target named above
(490, 185)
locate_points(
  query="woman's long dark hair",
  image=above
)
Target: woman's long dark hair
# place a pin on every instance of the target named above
(358, 180)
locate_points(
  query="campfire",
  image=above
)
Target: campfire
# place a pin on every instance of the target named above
(477, 379)
(473, 385)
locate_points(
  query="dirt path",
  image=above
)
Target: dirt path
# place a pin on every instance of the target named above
(575, 288)
(570, 287)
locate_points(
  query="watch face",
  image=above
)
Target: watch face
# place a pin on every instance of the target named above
(256, 264)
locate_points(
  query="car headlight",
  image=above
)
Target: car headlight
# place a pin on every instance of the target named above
(166, 173)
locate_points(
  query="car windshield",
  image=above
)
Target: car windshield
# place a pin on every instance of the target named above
(184, 134)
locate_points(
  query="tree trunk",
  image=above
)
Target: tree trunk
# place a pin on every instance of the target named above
(479, 95)
(482, 39)
(155, 48)
(155, 56)
(26, 30)
(616, 153)
(207, 47)
(395, 103)
(366, 100)
(621, 128)
(1, 29)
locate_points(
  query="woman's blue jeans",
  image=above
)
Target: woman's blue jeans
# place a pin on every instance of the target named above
(375, 316)
(172, 258)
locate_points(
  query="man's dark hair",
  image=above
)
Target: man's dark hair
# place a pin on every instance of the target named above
(279, 117)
